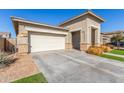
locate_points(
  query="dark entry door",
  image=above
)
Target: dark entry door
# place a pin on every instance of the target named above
(76, 40)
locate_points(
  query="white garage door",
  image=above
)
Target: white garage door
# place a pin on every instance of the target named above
(45, 42)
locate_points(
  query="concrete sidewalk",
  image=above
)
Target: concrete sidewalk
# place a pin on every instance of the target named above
(115, 55)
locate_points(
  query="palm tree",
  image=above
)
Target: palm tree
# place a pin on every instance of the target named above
(117, 38)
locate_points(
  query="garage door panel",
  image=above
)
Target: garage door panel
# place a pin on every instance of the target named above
(46, 42)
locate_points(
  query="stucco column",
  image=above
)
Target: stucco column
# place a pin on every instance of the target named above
(68, 44)
(85, 43)
(101, 39)
(97, 37)
(84, 40)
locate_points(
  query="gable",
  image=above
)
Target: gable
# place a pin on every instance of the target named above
(81, 17)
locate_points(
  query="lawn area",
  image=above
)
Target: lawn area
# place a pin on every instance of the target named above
(119, 52)
(37, 78)
(113, 57)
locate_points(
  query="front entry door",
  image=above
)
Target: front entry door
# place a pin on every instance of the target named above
(76, 40)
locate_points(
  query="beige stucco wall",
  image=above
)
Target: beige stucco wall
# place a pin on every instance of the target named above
(95, 23)
(44, 29)
(78, 25)
(23, 36)
(84, 24)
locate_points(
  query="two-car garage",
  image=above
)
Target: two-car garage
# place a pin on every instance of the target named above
(45, 42)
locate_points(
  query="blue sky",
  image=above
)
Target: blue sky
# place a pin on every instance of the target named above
(114, 18)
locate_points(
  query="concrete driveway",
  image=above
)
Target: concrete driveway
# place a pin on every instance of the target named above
(77, 67)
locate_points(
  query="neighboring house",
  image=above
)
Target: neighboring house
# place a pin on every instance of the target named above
(5, 35)
(106, 36)
(80, 32)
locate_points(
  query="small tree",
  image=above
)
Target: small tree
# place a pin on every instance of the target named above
(118, 38)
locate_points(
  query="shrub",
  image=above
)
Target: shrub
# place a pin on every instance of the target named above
(98, 50)
(5, 60)
(106, 48)
(95, 50)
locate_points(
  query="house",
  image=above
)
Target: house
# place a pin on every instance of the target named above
(106, 36)
(79, 32)
(5, 35)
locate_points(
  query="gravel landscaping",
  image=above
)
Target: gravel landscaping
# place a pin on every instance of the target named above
(23, 67)
(6, 60)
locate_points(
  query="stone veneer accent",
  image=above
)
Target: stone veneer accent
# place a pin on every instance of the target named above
(97, 44)
(22, 41)
(68, 46)
(84, 46)
(23, 48)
